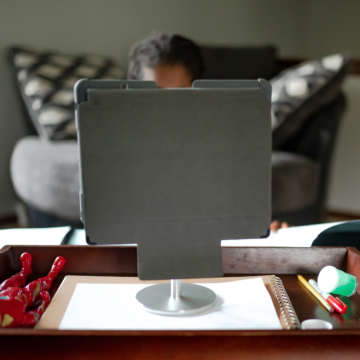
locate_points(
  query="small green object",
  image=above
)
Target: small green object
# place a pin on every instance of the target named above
(333, 280)
(36, 291)
(7, 320)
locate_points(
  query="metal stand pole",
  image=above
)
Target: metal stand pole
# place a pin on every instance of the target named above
(175, 289)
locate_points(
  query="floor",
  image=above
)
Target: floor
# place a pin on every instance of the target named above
(333, 217)
(9, 223)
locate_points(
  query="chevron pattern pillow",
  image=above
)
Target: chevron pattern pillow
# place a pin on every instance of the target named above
(300, 91)
(46, 80)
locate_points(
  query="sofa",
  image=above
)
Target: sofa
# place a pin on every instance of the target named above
(45, 171)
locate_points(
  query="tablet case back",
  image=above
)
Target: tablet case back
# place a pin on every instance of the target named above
(174, 171)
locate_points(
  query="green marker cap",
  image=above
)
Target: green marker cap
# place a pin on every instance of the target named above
(333, 280)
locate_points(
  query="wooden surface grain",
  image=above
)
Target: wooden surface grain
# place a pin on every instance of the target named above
(353, 264)
(184, 348)
(342, 342)
(114, 260)
(282, 260)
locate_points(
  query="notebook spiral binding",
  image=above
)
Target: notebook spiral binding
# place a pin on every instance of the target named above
(287, 310)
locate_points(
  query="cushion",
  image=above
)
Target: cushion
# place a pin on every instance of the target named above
(46, 80)
(45, 175)
(239, 62)
(295, 182)
(300, 91)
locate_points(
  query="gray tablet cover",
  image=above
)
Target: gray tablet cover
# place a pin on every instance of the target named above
(174, 171)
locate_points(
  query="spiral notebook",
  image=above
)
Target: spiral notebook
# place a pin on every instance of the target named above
(108, 303)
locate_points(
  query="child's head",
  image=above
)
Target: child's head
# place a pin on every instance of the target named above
(169, 60)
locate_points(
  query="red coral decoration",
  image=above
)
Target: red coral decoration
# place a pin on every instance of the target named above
(15, 299)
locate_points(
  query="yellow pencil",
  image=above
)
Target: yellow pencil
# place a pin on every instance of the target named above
(316, 294)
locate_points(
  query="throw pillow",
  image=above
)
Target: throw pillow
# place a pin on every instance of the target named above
(300, 91)
(46, 81)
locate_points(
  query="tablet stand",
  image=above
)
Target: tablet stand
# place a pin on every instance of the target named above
(174, 179)
(176, 298)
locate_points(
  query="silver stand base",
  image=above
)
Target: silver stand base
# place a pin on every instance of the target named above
(176, 298)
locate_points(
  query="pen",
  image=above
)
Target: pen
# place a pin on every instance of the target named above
(336, 303)
(316, 294)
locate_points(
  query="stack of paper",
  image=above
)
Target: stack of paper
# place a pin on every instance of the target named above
(244, 304)
(297, 236)
(43, 236)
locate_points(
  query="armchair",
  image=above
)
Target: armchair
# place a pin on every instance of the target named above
(45, 173)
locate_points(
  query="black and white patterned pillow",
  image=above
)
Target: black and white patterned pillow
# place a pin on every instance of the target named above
(46, 81)
(300, 91)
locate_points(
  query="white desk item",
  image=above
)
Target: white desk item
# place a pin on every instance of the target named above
(77, 238)
(316, 324)
(37, 236)
(296, 236)
(109, 302)
(244, 304)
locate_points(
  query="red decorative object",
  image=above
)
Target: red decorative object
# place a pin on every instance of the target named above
(15, 299)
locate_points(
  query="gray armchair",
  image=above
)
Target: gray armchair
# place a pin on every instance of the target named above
(45, 173)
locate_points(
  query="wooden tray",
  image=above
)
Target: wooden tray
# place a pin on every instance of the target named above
(341, 342)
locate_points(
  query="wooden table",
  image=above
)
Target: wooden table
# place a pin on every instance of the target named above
(343, 342)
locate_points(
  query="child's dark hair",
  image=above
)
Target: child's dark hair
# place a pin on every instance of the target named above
(164, 49)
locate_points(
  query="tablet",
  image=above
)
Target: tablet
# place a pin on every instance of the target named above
(174, 171)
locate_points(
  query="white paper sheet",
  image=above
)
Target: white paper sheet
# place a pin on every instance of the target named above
(244, 304)
(41, 236)
(78, 238)
(297, 236)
